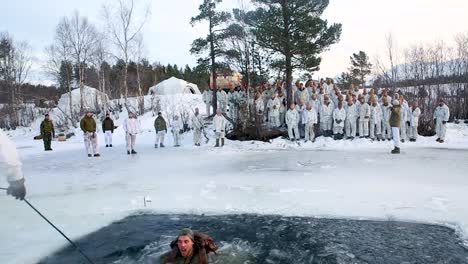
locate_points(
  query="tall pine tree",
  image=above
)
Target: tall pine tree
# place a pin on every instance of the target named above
(360, 66)
(295, 33)
(213, 43)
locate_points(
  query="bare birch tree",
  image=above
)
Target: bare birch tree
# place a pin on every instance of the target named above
(124, 25)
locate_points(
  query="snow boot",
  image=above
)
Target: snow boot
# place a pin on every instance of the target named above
(441, 141)
(128, 152)
(110, 145)
(161, 145)
(155, 145)
(97, 155)
(402, 141)
(222, 142)
(217, 143)
(107, 146)
(396, 150)
(438, 139)
(89, 155)
(133, 151)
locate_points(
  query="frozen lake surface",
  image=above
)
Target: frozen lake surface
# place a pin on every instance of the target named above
(85, 196)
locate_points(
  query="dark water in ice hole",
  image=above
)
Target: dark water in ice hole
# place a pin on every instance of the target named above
(272, 239)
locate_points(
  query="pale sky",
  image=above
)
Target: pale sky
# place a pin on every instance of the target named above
(168, 34)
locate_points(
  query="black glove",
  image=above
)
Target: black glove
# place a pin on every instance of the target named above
(444, 122)
(17, 189)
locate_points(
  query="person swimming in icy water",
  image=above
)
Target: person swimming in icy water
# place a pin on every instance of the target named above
(190, 247)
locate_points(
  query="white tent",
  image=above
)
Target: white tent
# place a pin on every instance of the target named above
(173, 86)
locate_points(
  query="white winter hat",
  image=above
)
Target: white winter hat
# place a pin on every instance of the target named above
(396, 102)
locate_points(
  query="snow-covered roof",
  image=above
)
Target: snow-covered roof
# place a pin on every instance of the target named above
(174, 85)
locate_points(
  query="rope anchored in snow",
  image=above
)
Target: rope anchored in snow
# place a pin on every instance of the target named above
(58, 230)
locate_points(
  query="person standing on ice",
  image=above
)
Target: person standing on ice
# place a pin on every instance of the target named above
(375, 120)
(222, 99)
(339, 116)
(386, 112)
(414, 122)
(161, 130)
(292, 121)
(441, 117)
(132, 127)
(47, 132)
(207, 99)
(404, 118)
(219, 123)
(197, 125)
(282, 108)
(108, 129)
(326, 117)
(88, 126)
(350, 122)
(395, 121)
(309, 119)
(10, 166)
(176, 128)
(273, 111)
(364, 116)
(259, 108)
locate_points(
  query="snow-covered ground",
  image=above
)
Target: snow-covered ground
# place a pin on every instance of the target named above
(358, 179)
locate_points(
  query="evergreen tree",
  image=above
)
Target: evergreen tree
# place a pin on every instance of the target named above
(360, 66)
(213, 43)
(295, 34)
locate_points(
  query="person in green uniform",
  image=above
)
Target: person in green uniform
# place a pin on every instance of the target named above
(395, 122)
(47, 132)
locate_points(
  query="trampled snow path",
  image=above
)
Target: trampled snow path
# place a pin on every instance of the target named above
(80, 194)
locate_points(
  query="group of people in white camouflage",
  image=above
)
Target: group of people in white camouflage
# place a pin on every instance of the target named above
(320, 108)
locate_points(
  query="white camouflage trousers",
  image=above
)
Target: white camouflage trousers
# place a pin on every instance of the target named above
(441, 129)
(375, 129)
(350, 128)
(309, 132)
(403, 134)
(91, 143)
(197, 134)
(326, 124)
(108, 137)
(363, 128)
(413, 132)
(293, 132)
(396, 136)
(176, 135)
(160, 137)
(274, 121)
(131, 140)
